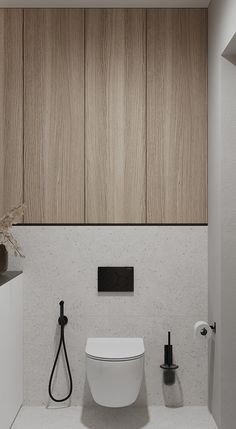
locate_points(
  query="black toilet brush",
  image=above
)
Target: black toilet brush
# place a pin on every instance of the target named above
(169, 367)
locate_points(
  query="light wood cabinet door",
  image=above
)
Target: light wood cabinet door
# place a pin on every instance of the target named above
(54, 115)
(115, 118)
(11, 107)
(177, 116)
(113, 125)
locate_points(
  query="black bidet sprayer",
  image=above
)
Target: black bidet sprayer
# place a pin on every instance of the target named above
(63, 320)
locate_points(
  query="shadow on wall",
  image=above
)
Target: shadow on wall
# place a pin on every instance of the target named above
(132, 417)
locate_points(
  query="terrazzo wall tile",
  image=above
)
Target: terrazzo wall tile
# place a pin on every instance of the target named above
(170, 293)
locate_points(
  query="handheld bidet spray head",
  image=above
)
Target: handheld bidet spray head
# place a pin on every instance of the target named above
(62, 319)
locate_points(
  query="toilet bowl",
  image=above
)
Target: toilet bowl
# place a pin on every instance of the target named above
(114, 368)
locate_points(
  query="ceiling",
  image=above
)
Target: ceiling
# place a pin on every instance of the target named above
(105, 3)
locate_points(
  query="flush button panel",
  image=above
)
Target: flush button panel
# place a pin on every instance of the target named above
(115, 279)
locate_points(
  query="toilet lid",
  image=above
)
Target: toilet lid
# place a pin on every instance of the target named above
(115, 348)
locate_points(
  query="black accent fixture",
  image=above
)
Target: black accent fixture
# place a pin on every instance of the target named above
(169, 367)
(111, 224)
(213, 327)
(115, 279)
(63, 320)
(204, 330)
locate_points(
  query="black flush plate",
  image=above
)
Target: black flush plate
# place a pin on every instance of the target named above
(115, 279)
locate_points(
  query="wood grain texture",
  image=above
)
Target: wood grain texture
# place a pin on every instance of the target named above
(115, 115)
(177, 116)
(54, 115)
(11, 107)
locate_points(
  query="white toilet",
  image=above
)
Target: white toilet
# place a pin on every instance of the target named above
(114, 369)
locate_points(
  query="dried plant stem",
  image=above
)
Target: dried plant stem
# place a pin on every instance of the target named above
(6, 222)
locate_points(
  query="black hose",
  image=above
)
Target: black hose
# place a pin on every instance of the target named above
(62, 322)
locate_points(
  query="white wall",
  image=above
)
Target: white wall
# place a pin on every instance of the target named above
(11, 350)
(228, 288)
(170, 266)
(222, 212)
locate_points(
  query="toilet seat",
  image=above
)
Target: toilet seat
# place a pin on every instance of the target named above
(115, 349)
(114, 360)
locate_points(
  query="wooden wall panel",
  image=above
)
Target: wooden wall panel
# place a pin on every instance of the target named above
(115, 115)
(54, 115)
(11, 107)
(177, 116)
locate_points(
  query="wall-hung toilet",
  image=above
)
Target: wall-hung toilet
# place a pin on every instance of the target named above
(114, 368)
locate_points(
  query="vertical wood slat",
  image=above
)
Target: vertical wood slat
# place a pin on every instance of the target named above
(54, 115)
(11, 107)
(177, 116)
(115, 115)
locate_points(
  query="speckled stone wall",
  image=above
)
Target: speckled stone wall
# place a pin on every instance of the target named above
(170, 281)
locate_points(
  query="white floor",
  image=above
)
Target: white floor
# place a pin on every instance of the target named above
(103, 418)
